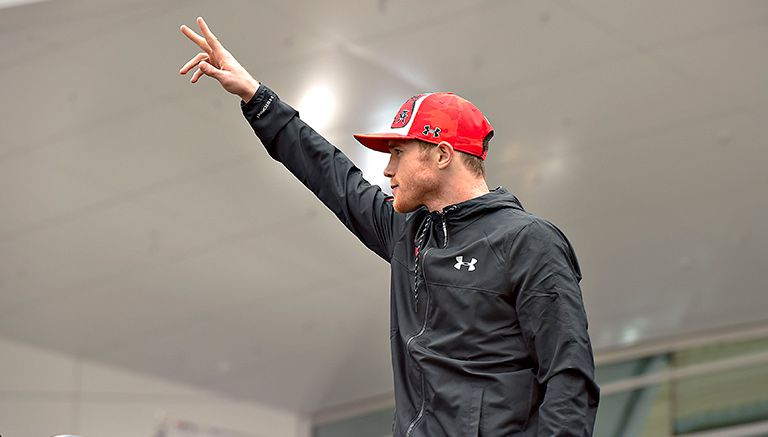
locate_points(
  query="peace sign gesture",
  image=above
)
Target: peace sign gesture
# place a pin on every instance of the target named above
(215, 61)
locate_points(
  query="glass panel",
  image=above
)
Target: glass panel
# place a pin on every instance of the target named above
(723, 399)
(618, 371)
(376, 424)
(643, 412)
(719, 351)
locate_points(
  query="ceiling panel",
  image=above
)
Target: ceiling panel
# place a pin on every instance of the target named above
(657, 22)
(596, 106)
(260, 351)
(728, 67)
(54, 99)
(347, 22)
(36, 192)
(667, 227)
(94, 247)
(718, 156)
(511, 43)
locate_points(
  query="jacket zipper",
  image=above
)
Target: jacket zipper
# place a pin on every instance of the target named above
(445, 232)
(424, 325)
(421, 411)
(419, 241)
(408, 345)
(445, 227)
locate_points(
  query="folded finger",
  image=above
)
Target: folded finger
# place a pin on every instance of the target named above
(210, 38)
(196, 76)
(197, 39)
(193, 62)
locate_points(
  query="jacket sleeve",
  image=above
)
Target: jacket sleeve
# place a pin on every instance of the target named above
(325, 170)
(554, 326)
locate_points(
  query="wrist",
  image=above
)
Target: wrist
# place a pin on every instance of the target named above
(249, 90)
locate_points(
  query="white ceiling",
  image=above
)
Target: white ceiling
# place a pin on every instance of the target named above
(143, 224)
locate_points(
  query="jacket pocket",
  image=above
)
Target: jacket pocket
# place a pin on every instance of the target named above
(509, 403)
(454, 410)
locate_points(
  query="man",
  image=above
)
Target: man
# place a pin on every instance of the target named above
(489, 334)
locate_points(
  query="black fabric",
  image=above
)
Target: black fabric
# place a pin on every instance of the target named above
(493, 342)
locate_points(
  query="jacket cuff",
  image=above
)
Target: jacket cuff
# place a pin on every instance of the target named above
(252, 102)
(267, 115)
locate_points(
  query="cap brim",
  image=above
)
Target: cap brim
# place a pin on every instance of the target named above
(379, 142)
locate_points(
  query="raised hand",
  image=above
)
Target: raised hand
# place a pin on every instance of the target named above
(215, 61)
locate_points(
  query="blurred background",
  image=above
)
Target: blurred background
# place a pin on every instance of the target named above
(160, 275)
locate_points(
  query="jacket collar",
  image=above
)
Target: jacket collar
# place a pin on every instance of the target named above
(498, 198)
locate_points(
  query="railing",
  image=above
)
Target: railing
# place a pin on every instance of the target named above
(688, 386)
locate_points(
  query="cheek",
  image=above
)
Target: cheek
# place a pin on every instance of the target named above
(413, 170)
(423, 180)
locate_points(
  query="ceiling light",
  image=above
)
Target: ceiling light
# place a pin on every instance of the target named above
(317, 106)
(10, 3)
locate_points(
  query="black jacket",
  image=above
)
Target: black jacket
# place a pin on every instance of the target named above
(488, 329)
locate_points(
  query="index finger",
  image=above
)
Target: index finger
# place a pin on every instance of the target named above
(213, 42)
(197, 39)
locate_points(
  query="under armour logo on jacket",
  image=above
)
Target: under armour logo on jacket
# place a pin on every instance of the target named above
(460, 262)
(435, 131)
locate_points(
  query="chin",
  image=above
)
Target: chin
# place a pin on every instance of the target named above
(404, 207)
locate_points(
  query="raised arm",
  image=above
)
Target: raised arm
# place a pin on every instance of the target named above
(321, 167)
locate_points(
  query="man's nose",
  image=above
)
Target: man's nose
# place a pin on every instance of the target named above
(389, 170)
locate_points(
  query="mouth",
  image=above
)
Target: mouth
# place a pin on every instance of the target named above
(394, 188)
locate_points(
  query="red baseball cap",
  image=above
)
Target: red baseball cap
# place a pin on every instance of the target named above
(435, 117)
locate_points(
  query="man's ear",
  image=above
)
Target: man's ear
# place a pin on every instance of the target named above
(445, 154)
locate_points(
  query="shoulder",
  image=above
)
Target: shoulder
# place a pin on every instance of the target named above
(512, 225)
(541, 242)
(541, 229)
(520, 233)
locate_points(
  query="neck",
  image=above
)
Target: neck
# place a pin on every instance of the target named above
(457, 193)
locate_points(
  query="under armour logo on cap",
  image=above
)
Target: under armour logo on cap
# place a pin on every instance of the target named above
(435, 131)
(460, 262)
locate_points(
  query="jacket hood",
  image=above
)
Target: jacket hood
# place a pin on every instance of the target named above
(498, 198)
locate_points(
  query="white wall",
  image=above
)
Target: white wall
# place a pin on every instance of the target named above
(45, 393)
